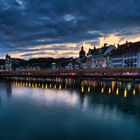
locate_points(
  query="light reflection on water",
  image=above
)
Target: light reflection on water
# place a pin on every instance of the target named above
(69, 109)
(86, 86)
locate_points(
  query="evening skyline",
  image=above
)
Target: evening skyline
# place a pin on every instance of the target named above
(54, 28)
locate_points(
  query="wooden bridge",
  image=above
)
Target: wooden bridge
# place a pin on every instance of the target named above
(128, 74)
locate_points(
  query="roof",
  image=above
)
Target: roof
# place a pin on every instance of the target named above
(127, 48)
(91, 51)
(100, 51)
(104, 51)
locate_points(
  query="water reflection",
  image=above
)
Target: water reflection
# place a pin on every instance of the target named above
(6, 88)
(84, 86)
(117, 91)
(121, 95)
(74, 106)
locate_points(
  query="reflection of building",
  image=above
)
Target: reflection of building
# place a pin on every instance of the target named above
(100, 58)
(8, 89)
(127, 56)
(8, 63)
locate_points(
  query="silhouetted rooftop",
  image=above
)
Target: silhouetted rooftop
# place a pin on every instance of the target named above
(127, 48)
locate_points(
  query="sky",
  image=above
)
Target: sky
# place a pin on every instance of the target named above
(58, 28)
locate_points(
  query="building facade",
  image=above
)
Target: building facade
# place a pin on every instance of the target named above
(8, 63)
(90, 58)
(126, 56)
(100, 58)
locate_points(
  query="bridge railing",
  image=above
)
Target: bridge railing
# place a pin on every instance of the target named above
(91, 72)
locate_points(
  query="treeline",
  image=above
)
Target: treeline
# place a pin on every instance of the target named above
(43, 63)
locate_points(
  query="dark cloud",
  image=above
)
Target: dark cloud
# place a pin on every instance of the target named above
(54, 48)
(27, 55)
(28, 23)
(69, 53)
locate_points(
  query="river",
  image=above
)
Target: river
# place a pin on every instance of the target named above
(64, 109)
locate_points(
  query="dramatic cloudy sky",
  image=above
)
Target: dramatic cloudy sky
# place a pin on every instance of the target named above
(57, 28)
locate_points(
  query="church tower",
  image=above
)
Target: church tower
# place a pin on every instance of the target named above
(82, 53)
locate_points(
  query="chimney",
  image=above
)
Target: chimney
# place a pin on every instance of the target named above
(118, 45)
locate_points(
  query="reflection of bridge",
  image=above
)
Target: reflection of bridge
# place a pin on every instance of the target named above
(102, 73)
(122, 89)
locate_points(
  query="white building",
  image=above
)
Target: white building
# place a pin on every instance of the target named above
(69, 66)
(8, 63)
(126, 56)
(53, 66)
(100, 58)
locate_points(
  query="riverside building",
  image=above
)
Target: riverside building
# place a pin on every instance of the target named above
(126, 56)
(100, 57)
